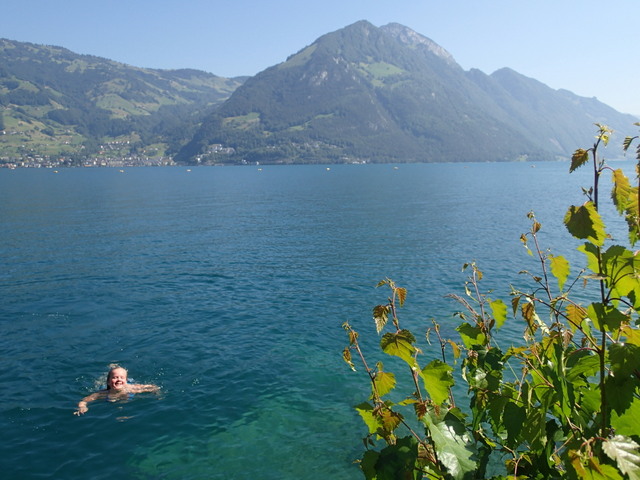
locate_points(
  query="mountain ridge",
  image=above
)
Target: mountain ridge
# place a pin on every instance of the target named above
(380, 94)
(59, 103)
(359, 94)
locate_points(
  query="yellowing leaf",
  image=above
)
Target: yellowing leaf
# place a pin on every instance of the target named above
(402, 295)
(380, 316)
(346, 356)
(385, 382)
(632, 335)
(499, 310)
(455, 348)
(627, 142)
(528, 311)
(560, 269)
(621, 193)
(579, 158)
(535, 228)
(390, 420)
(575, 314)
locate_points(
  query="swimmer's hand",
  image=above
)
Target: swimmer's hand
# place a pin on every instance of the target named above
(82, 408)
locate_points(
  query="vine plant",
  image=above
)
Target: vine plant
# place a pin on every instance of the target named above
(565, 403)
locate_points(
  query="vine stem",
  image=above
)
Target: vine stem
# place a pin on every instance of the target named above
(378, 401)
(603, 343)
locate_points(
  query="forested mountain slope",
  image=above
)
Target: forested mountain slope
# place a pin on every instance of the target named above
(385, 94)
(359, 94)
(54, 101)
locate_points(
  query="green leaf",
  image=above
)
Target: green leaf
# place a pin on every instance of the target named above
(437, 379)
(621, 392)
(471, 335)
(591, 252)
(591, 398)
(533, 429)
(605, 316)
(560, 269)
(499, 311)
(368, 464)
(454, 446)
(584, 222)
(366, 412)
(579, 158)
(582, 363)
(514, 417)
(398, 461)
(602, 471)
(400, 344)
(624, 358)
(625, 452)
(628, 421)
(621, 266)
(604, 133)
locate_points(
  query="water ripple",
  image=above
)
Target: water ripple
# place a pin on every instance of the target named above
(227, 288)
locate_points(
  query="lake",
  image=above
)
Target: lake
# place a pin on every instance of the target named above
(228, 286)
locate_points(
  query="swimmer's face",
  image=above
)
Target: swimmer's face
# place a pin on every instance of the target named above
(117, 379)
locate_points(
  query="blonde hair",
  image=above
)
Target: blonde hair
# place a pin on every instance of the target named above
(112, 368)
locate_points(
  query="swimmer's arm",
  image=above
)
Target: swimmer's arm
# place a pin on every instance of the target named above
(82, 404)
(140, 388)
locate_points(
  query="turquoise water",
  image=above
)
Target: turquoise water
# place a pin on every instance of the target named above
(228, 287)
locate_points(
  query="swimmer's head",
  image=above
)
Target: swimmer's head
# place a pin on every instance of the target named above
(116, 378)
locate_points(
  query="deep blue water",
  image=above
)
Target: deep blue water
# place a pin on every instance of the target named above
(228, 287)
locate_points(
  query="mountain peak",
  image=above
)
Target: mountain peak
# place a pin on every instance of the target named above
(413, 39)
(380, 94)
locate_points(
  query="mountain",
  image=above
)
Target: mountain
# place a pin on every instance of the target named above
(359, 94)
(389, 94)
(56, 102)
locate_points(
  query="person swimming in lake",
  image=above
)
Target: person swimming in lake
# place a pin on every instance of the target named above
(118, 388)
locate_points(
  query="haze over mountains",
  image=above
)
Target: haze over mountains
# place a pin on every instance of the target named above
(360, 94)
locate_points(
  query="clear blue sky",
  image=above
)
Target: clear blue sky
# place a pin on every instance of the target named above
(586, 46)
